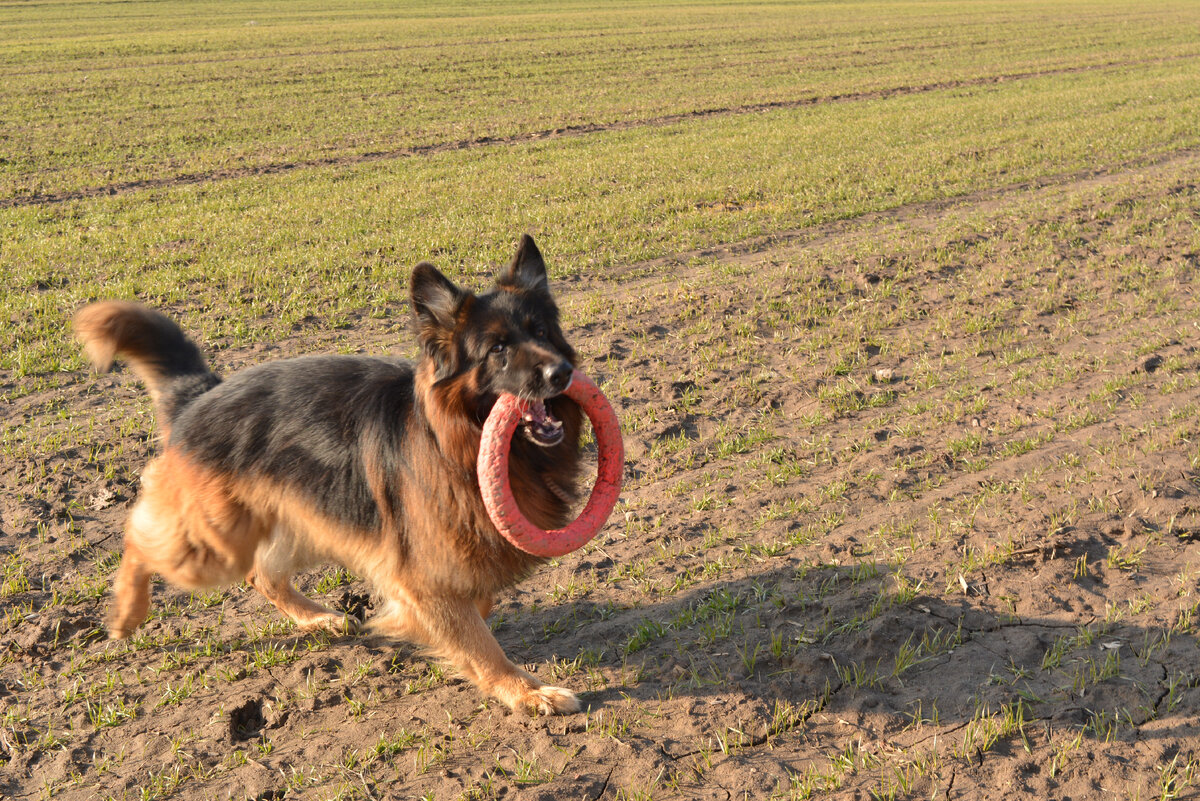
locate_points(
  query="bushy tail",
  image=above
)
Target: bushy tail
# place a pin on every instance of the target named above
(156, 348)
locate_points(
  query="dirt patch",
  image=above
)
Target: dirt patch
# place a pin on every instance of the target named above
(912, 509)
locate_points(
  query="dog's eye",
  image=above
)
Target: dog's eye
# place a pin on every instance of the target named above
(498, 347)
(540, 332)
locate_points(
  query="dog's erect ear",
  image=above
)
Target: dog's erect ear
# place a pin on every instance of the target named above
(527, 272)
(436, 302)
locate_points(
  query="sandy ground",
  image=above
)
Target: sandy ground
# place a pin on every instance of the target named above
(912, 510)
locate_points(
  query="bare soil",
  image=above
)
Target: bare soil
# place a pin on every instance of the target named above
(912, 510)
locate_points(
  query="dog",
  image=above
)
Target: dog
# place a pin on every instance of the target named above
(369, 463)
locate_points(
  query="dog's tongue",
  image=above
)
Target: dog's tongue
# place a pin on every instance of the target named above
(540, 425)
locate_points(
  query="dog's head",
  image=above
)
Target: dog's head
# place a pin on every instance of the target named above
(505, 340)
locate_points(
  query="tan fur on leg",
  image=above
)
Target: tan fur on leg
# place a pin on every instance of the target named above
(454, 631)
(274, 564)
(186, 527)
(131, 595)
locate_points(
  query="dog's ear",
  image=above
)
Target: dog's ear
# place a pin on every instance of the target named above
(527, 272)
(435, 299)
(436, 303)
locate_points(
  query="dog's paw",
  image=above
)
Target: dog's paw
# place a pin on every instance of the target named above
(118, 632)
(547, 700)
(335, 624)
(119, 628)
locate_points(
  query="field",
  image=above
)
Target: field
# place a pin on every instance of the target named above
(897, 302)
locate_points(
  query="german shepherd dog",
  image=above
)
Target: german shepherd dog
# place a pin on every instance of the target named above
(364, 462)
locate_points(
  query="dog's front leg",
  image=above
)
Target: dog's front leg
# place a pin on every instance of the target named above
(454, 630)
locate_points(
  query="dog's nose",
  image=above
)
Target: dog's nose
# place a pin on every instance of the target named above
(558, 376)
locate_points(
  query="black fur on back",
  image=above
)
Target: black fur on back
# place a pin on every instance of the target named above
(301, 423)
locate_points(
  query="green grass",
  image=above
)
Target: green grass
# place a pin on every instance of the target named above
(105, 93)
(338, 240)
(341, 240)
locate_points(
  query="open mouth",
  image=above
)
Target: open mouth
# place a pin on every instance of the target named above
(541, 427)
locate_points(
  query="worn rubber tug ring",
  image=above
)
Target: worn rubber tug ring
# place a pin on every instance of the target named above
(497, 491)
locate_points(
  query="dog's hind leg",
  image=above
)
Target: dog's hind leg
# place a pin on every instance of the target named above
(131, 595)
(454, 630)
(275, 562)
(186, 527)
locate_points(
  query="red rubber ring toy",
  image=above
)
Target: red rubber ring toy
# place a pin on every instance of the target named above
(497, 491)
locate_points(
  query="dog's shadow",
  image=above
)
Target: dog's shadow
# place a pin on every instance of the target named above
(862, 642)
